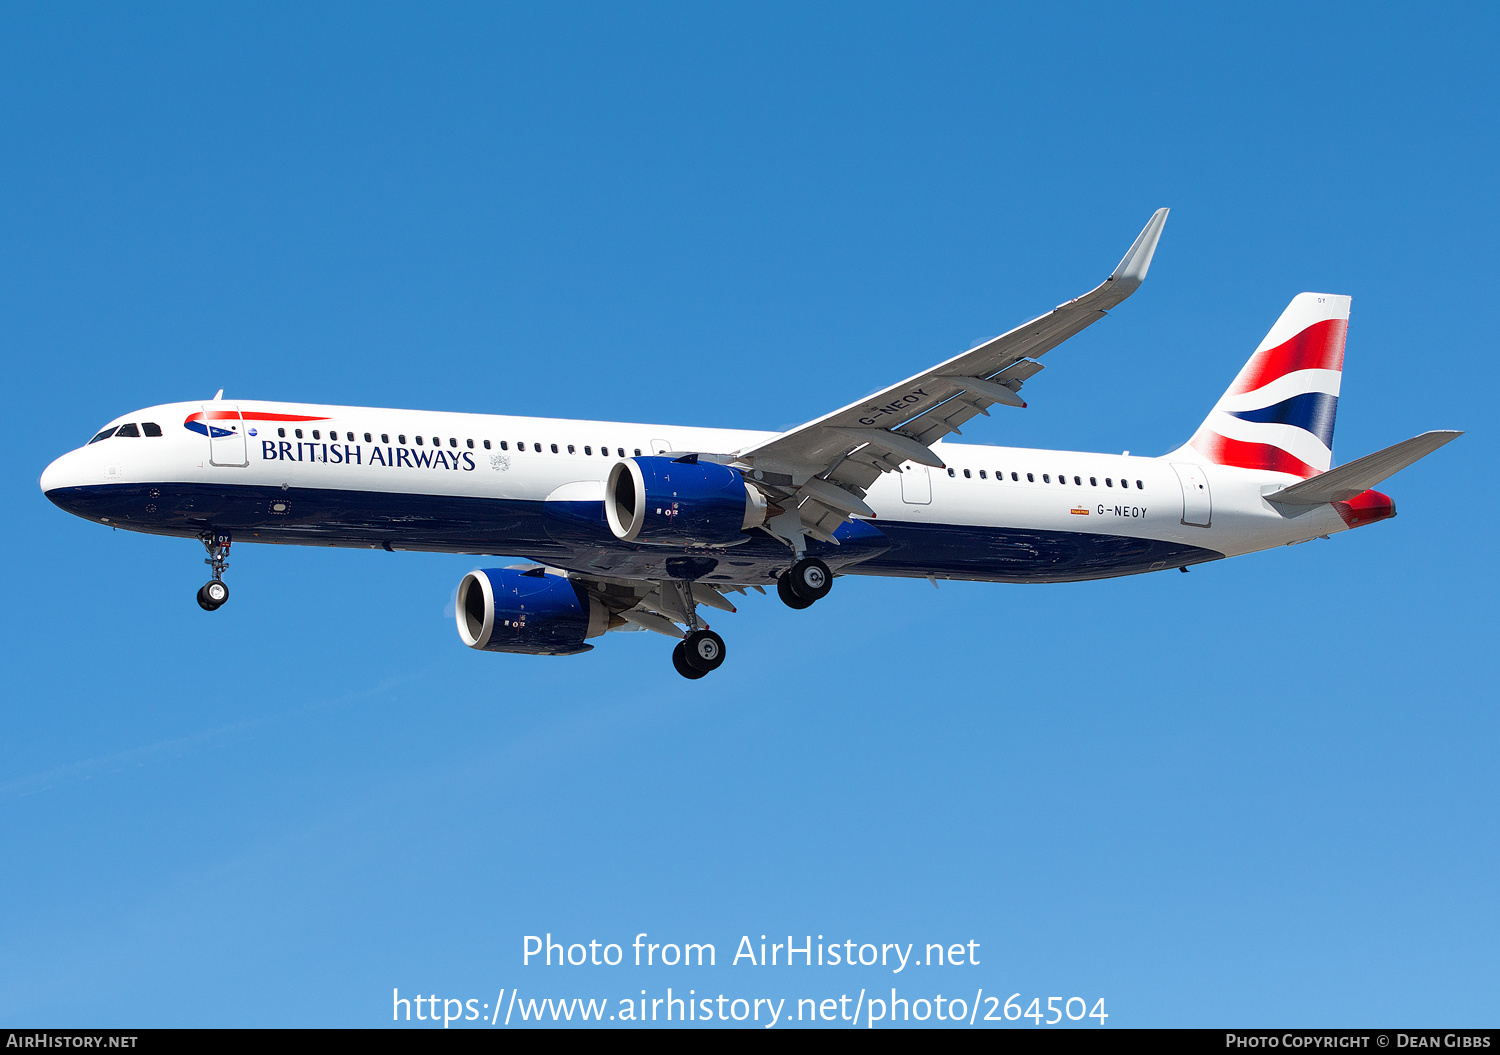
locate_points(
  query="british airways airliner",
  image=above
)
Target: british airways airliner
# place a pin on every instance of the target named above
(637, 527)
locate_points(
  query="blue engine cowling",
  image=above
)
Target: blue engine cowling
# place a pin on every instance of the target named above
(527, 610)
(680, 501)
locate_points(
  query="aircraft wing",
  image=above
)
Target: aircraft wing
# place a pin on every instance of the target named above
(821, 470)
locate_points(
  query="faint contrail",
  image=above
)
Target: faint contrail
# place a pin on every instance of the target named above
(176, 748)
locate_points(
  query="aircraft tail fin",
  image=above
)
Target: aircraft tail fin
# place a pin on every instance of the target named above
(1278, 415)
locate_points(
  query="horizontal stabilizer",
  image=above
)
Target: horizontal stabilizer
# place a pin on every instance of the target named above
(1343, 483)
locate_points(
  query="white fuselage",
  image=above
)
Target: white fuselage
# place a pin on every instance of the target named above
(407, 460)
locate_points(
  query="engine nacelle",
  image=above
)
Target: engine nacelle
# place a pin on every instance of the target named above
(676, 502)
(514, 610)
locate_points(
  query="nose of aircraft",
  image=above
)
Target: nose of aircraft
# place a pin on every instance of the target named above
(62, 473)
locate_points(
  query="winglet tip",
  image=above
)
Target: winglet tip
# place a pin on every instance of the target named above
(1132, 269)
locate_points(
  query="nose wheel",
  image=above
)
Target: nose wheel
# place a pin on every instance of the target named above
(213, 594)
(804, 582)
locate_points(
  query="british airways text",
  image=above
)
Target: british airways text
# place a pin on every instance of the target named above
(355, 454)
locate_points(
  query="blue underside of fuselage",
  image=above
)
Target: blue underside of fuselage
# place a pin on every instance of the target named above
(575, 536)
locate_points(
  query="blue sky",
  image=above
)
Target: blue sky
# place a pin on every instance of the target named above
(1260, 794)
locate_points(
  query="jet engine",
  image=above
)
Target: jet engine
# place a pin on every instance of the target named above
(680, 501)
(527, 610)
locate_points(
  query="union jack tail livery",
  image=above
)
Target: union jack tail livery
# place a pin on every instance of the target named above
(1278, 415)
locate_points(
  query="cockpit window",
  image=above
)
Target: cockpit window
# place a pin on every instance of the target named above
(151, 428)
(106, 434)
(129, 430)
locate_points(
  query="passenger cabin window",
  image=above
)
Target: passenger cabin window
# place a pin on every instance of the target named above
(950, 472)
(588, 449)
(281, 433)
(419, 440)
(367, 437)
(1108, 482)
(401, 438)
(1046, 478)
(1015, 477)
(637, 452)
(151, 428)
(1078, 480)
(297, 433)
(982, 476)
(621, 450)
(471, 444)
(1139, 486)
(487, 444)
(1030, 479)
(967, 476)
(554, 448)
(315, 435)
(572, 449)
(106, 434)
(385, 437)
(1093, 481)
(537, 447)
(453, 442)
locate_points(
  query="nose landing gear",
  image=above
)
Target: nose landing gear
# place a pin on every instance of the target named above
(212, 594)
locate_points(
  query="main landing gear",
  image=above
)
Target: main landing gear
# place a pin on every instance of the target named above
(698, 653)
(804, 582)
(701, 650)
(212, 594)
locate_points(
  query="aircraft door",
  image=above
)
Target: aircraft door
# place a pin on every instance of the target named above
(226, 434)
(916, 485)
(1197, 500)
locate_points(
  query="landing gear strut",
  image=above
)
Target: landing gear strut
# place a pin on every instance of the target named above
(804, 582)
(701, 650)
(215, 592)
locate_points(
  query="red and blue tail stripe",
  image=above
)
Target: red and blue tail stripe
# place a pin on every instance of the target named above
(1278, 415)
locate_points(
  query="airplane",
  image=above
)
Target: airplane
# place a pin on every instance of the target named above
(637, 526)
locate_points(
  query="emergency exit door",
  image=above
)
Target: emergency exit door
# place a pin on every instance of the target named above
(916, 485)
